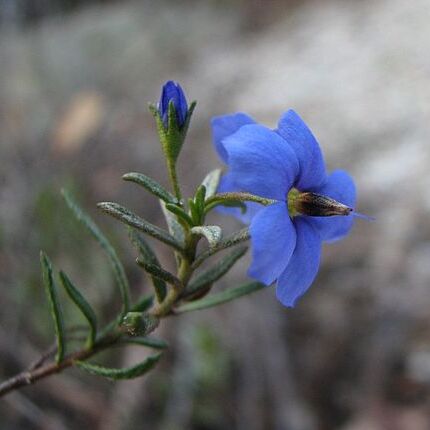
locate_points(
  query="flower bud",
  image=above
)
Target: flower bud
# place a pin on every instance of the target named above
(172, 92)
(138, 324)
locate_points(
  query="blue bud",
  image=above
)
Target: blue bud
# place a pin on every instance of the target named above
(172, 91)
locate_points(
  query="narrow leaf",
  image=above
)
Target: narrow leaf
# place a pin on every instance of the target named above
(151, 185)
(229, 204)
(143, 304)
(151, 342)
(131, 219)
(220, 298)
(180, 213)
(234, 239)
(199, 198)
(160, 273)
(54, 304)
(79, 300)
(195, 213)
(148, 255)
(117, 267)
(212, 233)
(125, 373)
(207, 278)
(175, 229)
(211, 182)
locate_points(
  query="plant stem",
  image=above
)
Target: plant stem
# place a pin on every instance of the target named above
(171, 167)
(29, 376)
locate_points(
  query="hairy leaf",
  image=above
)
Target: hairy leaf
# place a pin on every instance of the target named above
(160, 273)
(151, 185)
(131, 219)
(212, 233)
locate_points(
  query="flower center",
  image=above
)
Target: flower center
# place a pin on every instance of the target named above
(312, 204)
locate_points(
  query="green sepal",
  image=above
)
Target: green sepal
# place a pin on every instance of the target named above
(124, 215)
(147, 254)
(117, 267)
(139, 324)
(171, 137)
(220, 298)
(125, 373)
(151, 185)
(212, 233)
(158, 272)
(211, 182)
(232, 240)
(85, 308)
(181, 214)
(205, 280)
(150, 342)
(54, 304)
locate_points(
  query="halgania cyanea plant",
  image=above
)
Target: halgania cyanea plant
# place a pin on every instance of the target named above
(275, 182)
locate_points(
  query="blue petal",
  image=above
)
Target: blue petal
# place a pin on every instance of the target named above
(172, 91)
(261, 162)
(312, 171)
(339, 186)
(273, 239)
(252, 208)
(225, 125)
(303, 265)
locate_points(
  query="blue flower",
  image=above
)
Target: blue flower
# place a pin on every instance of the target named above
(285, 165)
(172, 92)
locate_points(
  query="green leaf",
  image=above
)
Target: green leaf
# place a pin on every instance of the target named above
(208, 277)
(211, 182)
(125, 373)
(175, 229)
(199, 199)
(194, 210)
(160, 273)
(234, 239)
(54, 304)
(79, 300)
(220, 298)
(228, 204)
(143, 304)
(180, 213)
(212, 233)
(117, 267)
(151, 342)
(147, 254)
(131, 219)
(151, 185)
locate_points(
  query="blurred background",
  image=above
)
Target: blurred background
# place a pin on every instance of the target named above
(75, 80)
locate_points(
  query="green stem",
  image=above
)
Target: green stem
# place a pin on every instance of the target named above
(171, 167)
(185, 271)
